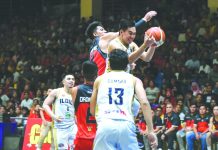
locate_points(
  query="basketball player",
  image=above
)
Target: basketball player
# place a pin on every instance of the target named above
(213, 128)
(81, 96)
(62, 113)
(101, 39)
(45, 128)
(111, 103)
(124, 41)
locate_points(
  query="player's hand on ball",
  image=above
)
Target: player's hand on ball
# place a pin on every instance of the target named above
(152, 138)
(149, 15)
(149, 40)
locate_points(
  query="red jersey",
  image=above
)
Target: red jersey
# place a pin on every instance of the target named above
(46, 116)
(172, 120)
(33, 113)
(86, 123)
(202, 123)
(99, 57)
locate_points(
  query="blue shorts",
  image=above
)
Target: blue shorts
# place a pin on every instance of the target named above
(115, 135)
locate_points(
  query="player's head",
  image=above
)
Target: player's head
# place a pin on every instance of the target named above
(118, 59)
(127, 31)
(95, 29)
(89, 70)
(68, 80)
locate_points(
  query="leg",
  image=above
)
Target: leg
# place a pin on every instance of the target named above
(180, 134)
(208, 140)
(190, 137)
(170, 140)
(203, 142)
(71, 136)
(61, 138)
(52, 147)
(146, 143)
(43, 133)
(160, 142)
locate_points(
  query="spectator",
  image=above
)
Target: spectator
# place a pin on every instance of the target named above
(152, 92)
(213, 128)
(200, 129)
(213, 75)
(27, 101)
(35, 109)
(171, 124)
(18, 112)
(187, 126)
(193, 63)
(3, 97)
(5, 117)
(26, 89)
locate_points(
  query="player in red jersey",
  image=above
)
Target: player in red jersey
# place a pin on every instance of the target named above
(101, 39)
(45, 128)
(81, 96)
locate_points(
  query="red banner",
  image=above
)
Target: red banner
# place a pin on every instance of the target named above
(32, 134)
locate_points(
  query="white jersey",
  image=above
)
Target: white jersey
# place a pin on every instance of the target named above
(115, 96)
(120, 45)
(63, 107)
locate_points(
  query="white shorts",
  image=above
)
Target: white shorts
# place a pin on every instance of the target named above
(64, 137)
(115, 135)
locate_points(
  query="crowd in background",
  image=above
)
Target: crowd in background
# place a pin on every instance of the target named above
(35, 52)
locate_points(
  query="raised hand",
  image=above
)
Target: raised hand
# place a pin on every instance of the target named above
(149, 15)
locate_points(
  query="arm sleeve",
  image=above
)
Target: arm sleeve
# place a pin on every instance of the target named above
(139, 23)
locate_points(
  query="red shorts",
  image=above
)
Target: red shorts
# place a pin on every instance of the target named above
(83, 144)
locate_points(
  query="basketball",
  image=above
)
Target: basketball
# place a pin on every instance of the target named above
(157, 33)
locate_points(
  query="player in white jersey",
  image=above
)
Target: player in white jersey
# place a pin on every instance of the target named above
(111, 103)
(62, 113)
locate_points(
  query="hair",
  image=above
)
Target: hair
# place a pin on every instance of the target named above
(125, 24)
(118, 59)
(92, 28)
(215, 106)
(202, 105)
(63, 76)
(192, 103)
(89, 70)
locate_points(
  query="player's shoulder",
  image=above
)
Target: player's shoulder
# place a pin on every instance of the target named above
(133, 45)
(57, 91)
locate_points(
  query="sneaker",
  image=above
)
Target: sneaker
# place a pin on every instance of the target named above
(141, 145)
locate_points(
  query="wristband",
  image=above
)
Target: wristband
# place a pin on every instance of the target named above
(139, 23)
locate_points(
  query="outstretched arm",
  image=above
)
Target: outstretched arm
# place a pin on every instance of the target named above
(146, 18)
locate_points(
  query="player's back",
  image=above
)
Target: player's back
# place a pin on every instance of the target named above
(85, 121)
(98, 56)
(115, 96)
